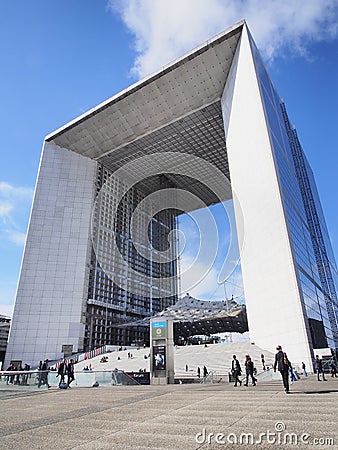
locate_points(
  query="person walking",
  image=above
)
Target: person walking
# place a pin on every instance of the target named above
(205, 372)
(263, 361)
(10, 378)
(70, 372)
(198, 372)
(304, 369)
(333, 367)
(43, 376)
(236, 370)
(282, 364)
(293, 373)
(319, 368)
(62, 371)
(25, 375)
(249, 370)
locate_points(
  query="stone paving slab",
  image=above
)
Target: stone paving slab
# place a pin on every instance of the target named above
(171, 417)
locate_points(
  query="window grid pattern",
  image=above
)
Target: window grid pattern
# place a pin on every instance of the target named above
(318, 306)
(127, 298)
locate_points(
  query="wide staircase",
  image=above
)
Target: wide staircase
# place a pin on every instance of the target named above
(215, 357)
(132, 366)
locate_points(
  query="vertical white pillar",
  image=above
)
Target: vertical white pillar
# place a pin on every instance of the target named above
(274, 308)
(50, 301)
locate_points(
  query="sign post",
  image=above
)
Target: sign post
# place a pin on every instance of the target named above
(67, 350)
(162, 351)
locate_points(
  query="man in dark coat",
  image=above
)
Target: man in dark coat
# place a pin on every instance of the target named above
(205, 372)
(282, 364)
(319, 368)
(43, 376)
(236, 370)
(70, 372)
(62, 370)
(249, 370)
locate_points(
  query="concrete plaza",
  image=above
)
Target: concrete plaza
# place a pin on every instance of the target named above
(170, 417)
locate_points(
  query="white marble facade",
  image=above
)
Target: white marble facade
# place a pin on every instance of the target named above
(273, 298)
(50, 307)
(50, 302)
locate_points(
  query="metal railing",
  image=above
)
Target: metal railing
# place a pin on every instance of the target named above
(23, 379)
(36, 379)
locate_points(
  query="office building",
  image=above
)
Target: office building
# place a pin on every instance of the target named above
(102, 248)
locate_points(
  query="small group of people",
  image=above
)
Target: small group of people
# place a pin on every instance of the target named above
(320, 368)
(236, 371)
(284, 366)
(66, 369)
(205, 371)
(43, 373)
(21, 378)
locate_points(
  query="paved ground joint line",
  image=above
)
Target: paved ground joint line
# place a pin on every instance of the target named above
(147, 419)
(59, 418)
(230, 425)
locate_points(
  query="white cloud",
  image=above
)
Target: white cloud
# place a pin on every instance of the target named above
(205, 276)
(15, 202)
(5, 210)
(164, 30)
(7, 295)
(6, 310)
(207, 286)
(17, 237)
(9, 191)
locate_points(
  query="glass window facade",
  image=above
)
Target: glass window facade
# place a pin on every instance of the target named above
(115, 294)
(314, 261)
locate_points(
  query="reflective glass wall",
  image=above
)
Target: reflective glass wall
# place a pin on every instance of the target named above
(310, 242)
(120, 289)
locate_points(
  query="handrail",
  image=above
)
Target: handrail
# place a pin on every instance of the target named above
(210, 374)
(24, 378)
(22, 372)
(77, 357)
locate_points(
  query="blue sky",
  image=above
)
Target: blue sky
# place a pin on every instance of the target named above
(58, 59)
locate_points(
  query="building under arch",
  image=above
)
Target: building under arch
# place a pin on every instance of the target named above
(97, 251)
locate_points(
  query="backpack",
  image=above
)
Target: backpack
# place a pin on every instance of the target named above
(285, 360)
